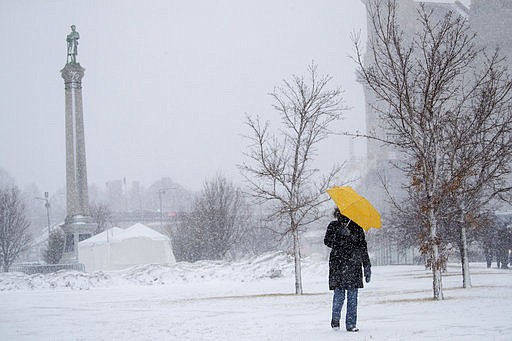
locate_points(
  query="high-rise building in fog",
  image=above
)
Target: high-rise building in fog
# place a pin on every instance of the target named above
(491, 20)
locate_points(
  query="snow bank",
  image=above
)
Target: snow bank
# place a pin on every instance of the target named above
(270, 265)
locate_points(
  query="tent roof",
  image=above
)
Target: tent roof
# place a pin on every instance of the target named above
(141, 230)
(116, 234)
(112, 234)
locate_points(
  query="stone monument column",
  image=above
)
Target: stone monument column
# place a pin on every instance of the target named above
(76, 170)
(78, 224)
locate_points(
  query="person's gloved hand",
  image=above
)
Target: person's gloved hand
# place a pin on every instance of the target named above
(367, 274)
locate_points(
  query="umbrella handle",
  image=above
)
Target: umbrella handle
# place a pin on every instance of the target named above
(344, 229)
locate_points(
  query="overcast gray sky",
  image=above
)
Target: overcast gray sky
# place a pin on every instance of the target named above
(167, 83)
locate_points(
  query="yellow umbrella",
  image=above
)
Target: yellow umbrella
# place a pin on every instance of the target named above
(355, 207)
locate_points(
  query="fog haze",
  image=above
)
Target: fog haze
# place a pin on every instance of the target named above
(167, 83)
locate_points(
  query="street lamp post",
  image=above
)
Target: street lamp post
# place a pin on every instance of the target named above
(161, 192)
(47, 206)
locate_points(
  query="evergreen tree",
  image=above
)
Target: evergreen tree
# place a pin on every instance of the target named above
(53, 254)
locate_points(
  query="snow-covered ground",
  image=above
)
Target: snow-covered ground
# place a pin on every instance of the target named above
(250, 300)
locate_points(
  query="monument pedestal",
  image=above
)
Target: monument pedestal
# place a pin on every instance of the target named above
(76, 229)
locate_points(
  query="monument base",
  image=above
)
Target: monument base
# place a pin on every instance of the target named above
(76, 229)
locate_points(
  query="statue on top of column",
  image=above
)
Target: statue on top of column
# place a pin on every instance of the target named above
(72, 40)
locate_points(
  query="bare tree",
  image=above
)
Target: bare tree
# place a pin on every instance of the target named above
(185, 238)
(480, 150)
(259, 237)
(279, 167)
(216, 224)
(14, 236)
(426, 88)
(101, 215)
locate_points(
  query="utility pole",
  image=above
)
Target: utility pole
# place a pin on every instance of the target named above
(161, 192)
(47, 206)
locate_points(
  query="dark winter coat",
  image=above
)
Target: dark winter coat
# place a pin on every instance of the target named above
(349, 253)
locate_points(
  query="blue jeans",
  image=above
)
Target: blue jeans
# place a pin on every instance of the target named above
(337, 304)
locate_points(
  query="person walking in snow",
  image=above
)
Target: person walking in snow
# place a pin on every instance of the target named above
(348, 258)
(502, 248)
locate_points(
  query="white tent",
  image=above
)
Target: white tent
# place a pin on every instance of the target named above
(116, 249)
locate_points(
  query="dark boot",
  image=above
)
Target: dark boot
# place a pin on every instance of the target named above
(335, 324)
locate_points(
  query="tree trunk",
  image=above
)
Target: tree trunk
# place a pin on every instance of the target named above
(296, 255)
(466, 277)
(437, 281)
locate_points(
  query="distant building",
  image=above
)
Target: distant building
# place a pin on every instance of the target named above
(492, 22)
(377, 154)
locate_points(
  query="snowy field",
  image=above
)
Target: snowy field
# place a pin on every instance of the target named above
(250, 300)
